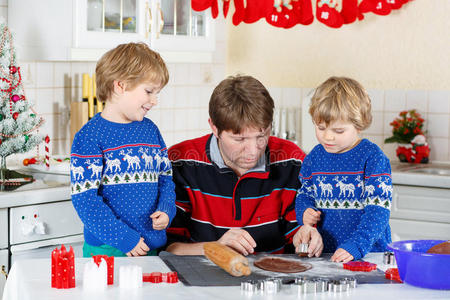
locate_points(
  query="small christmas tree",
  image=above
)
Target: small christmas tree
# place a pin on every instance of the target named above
(18, 120)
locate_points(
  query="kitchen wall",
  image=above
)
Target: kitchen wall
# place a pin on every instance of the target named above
(290, 72)
(402, 59)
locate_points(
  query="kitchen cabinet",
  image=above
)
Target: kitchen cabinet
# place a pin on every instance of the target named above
(4, 257)
(420, 212)
(85, 29)
(37, 218)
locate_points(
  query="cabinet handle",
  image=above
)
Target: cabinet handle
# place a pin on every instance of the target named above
(4, 272)
(161, 20)
(150, 19)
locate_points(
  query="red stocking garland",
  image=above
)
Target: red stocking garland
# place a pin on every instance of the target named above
(327, 13)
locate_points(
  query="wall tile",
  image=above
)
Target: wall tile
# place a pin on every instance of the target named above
(166, 97)
(63, 72)
(388, 118)
(44, 101)
(45, 71)
(4, 13)
(218, 74)
(292, 97)
(195, 74)
(166, 120)
(439, 102)
(62, 97)
(28, 71)
(439, 149)
(394, 100)
(377, 125)
(377, 99)
(438, 125)
(219, 55)
(180, 74)
(417, 100)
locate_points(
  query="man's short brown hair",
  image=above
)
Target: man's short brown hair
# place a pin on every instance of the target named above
(240, 102)
(133, 63)
(341, 99)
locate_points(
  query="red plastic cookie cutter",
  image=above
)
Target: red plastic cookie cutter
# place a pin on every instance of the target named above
(363, 266)
(392, 274)
(157, 277)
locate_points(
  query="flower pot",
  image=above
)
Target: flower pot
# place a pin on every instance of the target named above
(413, 153)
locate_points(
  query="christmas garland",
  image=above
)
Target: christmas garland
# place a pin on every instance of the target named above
(288, 13)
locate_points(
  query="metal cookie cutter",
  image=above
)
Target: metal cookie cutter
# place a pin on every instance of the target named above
(388, 258)
(303, 249)
(249, 286)
(271, 285)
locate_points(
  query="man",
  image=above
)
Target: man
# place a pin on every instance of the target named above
(237, 185)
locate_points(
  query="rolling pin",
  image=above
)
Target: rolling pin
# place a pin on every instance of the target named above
(226, 258)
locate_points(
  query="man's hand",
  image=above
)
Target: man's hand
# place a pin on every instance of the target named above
(140, 249)
(160, 220)
(240, 240)
(341, 255)
(311, 216)
(309, 235)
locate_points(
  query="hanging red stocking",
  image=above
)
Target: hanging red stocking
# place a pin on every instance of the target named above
(304, 11)
(327, 14)
(379, 7)
(276, 15)
(396, 4)
(239, 12)
(225, 7)
(201, 5)
(256, 9)
(349, 11)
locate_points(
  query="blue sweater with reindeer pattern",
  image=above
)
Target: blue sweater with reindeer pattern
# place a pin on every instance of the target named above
(120, 175)
(353, 191)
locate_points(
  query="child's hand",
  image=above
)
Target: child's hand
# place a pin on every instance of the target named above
(341, 256)
(311, 216)
(160, 220)
(140, 249)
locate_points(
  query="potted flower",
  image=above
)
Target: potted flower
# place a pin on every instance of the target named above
(407, 130)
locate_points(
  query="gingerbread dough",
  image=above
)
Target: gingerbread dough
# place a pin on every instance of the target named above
(442, 248)
(282, 265)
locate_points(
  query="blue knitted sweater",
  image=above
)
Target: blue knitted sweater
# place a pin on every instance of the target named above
(120, 175)
(353, 191)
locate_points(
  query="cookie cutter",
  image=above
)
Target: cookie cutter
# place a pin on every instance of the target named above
(303, 249)
(389, 258)
(249, 286)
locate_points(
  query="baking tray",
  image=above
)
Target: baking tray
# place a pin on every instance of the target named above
(197, 270)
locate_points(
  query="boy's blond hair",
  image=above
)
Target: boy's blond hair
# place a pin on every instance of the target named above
(133, 63)
(341, 99)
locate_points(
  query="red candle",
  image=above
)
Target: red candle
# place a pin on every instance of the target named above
(63, 268)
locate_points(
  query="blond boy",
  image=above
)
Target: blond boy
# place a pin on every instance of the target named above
(346, 181)
(121, 178)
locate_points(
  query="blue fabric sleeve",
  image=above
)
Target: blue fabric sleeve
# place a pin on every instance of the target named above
(305, 196)
(166, 187)
(97, 217)
(377, 199)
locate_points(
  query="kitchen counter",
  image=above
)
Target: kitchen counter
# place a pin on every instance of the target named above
(30, 279)
(428, 175)
(47, 187)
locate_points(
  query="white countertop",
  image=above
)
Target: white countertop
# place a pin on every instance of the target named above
(47, 187)
(402, 174)
(30, 279)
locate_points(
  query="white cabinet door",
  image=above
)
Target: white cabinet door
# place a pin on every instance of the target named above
(417, 230)
(179, 28)
(86, 29)
(3, 228)
(43, 221)
(107, 23)
(3, 269)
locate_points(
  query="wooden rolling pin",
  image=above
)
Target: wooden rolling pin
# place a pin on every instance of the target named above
(226, 258)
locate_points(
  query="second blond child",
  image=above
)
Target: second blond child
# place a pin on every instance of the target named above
(346, 181)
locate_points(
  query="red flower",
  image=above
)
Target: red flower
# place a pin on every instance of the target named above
(403, 113)
(406, 131)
